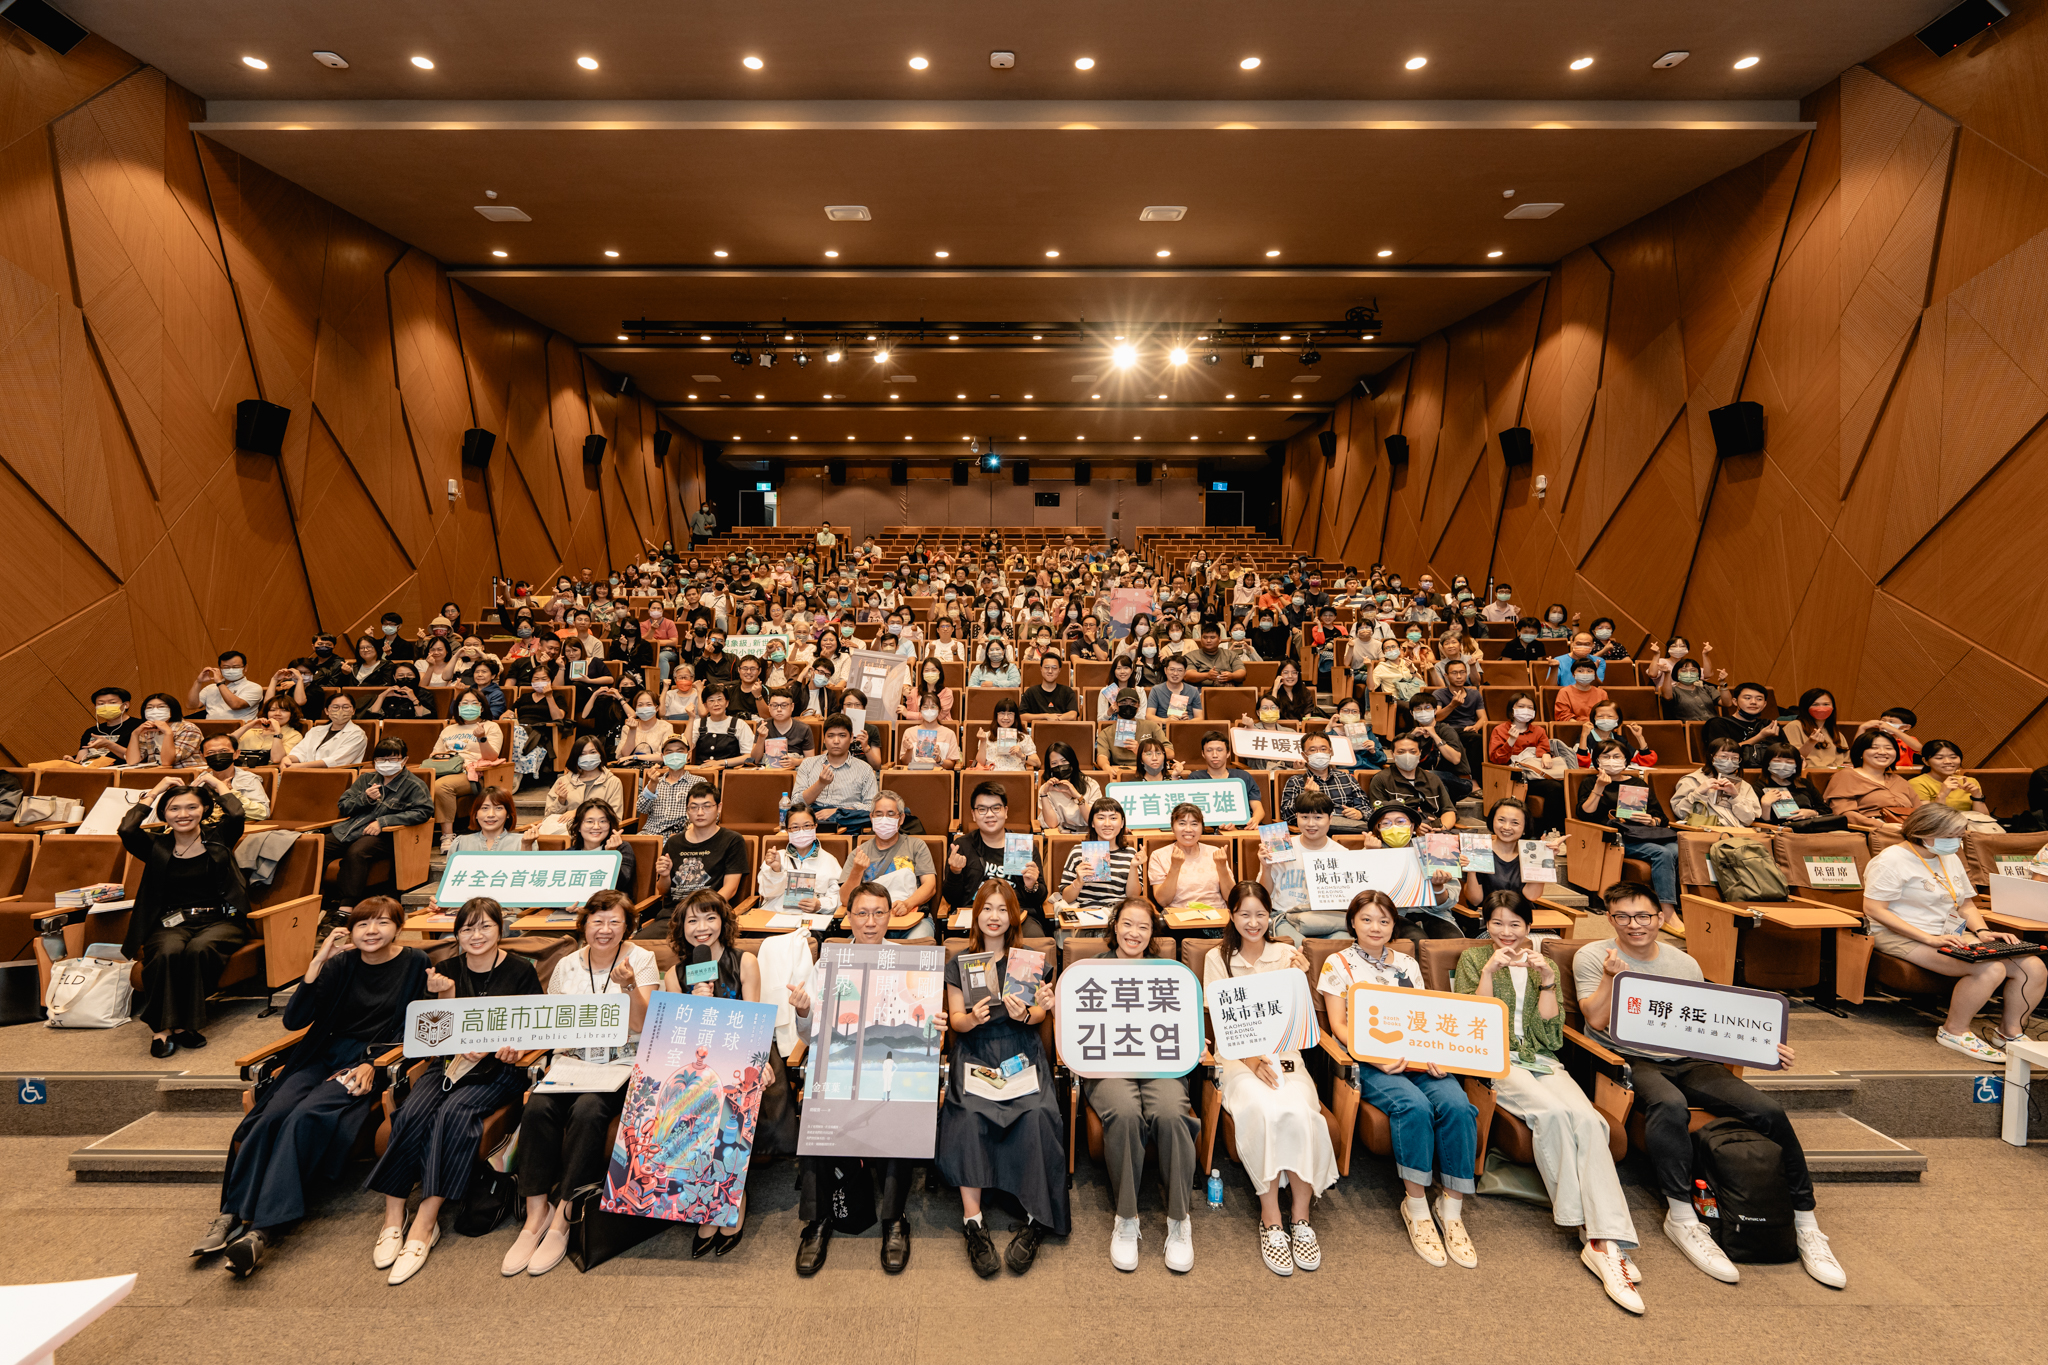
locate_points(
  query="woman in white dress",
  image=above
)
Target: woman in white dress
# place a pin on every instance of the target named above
(1272, 1100)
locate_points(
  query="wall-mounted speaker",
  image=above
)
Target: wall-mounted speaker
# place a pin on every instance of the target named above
(44, 23)
(1328, 441)
(777, 471)
(662, 441)
(961, 469)
(259, 426)
(1083, 472)
(1144, 472)
(1738, 429)
(593, 449)
(1397, 449)
(899, 472)
(1020, 472)
(477, 445)
(836, 471)
(1518, 446)
(625, 382)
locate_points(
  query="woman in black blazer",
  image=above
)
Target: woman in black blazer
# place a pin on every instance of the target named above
(191, 910)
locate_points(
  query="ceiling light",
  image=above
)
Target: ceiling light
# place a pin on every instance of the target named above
(1194, 438)
(1287, 336)
(256, 63)
(498, 254)
(789, 336)
(1249, 64)
(1084, 63)
(1297, 397)
(831, 253)
(1492, 255)
(719, 254)
(1273, 253)
(1417, 63)
(906, 438)
(1212, 359)
(1123, 357)
(882, 355)
(1177, 356)
(1386, 251)
(942, 255)
(1095, 397)
(1162, 398)
(622, 336)
(613, 254)
(587, 63)
(741, 356)
(894, 396)
(792, 438)
(1052, 253)
(1027, 397)
(1162, 253)
(751, 63)
(917, 64)
(960, 395)
(334, 61)
(759, 396)
(871, 336)
(1746, 63)
(1230, 395)
(1137, 438)
(1310, 355)
(703, 336)
(1582, 63)
(1670, 59)
(832, 356)
(803, 359)
(849, 438)
(693, 398)
(954, 337)
(424, 63)
(1037, 336)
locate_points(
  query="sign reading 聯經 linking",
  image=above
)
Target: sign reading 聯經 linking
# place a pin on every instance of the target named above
(1149, 805)
(1131, 1017)
(445, 1028)
(1729, 1024)
(528, 879)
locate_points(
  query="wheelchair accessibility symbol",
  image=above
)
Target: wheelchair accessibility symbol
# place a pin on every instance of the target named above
(32, 1090)
(1988, 1090)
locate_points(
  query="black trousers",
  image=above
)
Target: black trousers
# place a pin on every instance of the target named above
(357, 857)
(814, 1182)
(434, 1134)
(1670, 1089)
(1459, 787)
(303, 1124)
(180, 968)
(564, 1142)
(1419, 924)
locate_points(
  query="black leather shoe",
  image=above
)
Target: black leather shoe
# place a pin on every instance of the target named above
(191, 1038)
(981, 1252)
(701, 1246)
(726, 1241)
(246, 1253)
(810, 1248)
(1023, 1248)
(218, 1234)
(162, 1047)
(895, 1245)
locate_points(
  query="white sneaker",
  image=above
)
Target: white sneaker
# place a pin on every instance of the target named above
(1273, 1246)
(1819, 1259)
(1633, 1271)
(1123, 1244)
(1613, 1277)
(1969, 1044)
(1308, 1253)
(413, 1257)
(1702, 1250)
(1180, 1245)
(388, 1243)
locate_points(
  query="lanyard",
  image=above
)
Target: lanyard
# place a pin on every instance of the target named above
(1935, 869)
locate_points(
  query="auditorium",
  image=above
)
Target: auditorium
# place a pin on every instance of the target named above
(823, 661)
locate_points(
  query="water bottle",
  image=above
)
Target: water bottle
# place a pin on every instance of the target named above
(1215, 1188)
(1703, 1203)
(782, 812)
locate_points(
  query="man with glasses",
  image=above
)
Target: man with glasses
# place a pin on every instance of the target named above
(1667, 1086)
(977, 857)
(697, 856)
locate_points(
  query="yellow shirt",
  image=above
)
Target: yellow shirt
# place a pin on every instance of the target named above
(1928, 787)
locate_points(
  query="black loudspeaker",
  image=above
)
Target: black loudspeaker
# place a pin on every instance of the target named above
(1083, 472)
(1518, 446)
(593, 449)
(259, 427)
(899, 472)
(1328, 441)
(1397, 449)
(662, 441)
(1020, 472)
(776, 472)
(1144, 472)
(1941, 37)
(477, 445)
(625, 383)
(836, 469)
(1738, 429)
(961, 469)
(55, 30)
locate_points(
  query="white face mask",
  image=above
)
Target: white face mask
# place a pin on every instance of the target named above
(1424, 717)
(390, 767)
(644, 712)
(930, 714)
(1726, 763)
(1525, 714)
(231, 674)
(801, 839)
(884, 826)
(1612, 764)
(156, 713)
(1319, 760)
(1783, 772)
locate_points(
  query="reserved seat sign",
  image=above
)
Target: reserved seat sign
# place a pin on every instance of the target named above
(1730, 1024)
(1466, 1035)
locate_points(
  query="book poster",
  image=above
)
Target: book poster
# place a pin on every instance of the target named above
(873, 1089)
(687, 1132)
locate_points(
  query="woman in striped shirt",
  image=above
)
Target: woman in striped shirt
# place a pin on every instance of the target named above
(1104, 882)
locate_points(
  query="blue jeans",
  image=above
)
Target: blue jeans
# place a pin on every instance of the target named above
(668, 662)
(846, 820)
(1436, 1129)
(1663, 861)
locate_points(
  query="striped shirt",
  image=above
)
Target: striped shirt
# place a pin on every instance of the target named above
(1106, 890)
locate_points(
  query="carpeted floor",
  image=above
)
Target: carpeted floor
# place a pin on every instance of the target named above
(1938, 1271)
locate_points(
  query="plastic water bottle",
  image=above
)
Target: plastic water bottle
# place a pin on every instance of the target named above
(782, 812)
(1215, 1188)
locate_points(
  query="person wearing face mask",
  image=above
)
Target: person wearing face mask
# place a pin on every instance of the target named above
(1117, 740)
(802, 856)
(225, 692)
(1400, 673)
(1605, 645)
(405, 699)
(390, 643)
(224, 774)
(1554, 627)
(1643, 832)
(466, 746)
(996, 668)
(191, 906)
(1348, 800)
(642, 736)
(1691, 688)
(895, 859)
(1576, 702)
(1502, 609)
(1522, 744)
(1787, 796)
(1717, 794)
(1269, 635)
(1526, 647)
(1442, 746)
(1919, 899)
(1606, 723)
(164, 739)
(1392, 824)
(1065, 793)
(112, 727)
(388, 797)
(1812, 730)
(931, 682)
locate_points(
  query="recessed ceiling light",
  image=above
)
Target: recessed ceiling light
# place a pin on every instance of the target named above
(1084, 63)
(1287, 336)
(831, 253)
(693, 398)
(719, 254)
(849, 438)
(751, 63)
(1137, 438)
(1230, 395)
(960, 395)
(587, 63)
(759, 396)
(955, 336)
(613, 254)
(1162, 398)
(703, 336)
(1027, 397)
(1273, 253)
(622, 336)
(1038, 336)
(917, 64)
(1124, 357)
(1386, 251)
(1080, 438)
(906, 438)
(1417, 63)
(1746, 63)
(1249, 64)
(256, 63)
(1162, 253)
(1582, 63)
(1492, 255)
(1194, 438)
(499, 254)
(894, 396)
(792, 438)
(942, 255)
(1052, 253)
(424, 63)
(1096, 397)
(1177, 356)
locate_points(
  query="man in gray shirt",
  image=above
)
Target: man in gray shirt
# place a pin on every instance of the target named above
(839, 788)
(1214, 664)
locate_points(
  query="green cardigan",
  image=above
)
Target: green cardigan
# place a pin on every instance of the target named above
(1541, 1038)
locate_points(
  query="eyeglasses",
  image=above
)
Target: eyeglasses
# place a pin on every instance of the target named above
(990, 810)
(1640, 917)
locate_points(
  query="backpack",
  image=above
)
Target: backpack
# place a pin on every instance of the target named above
(492, 1194)
(1744, 871)
(1745, 1177)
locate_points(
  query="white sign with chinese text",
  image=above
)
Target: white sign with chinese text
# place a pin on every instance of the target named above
(1729, 1024)
(1463, 1034)
(879, 677)
(1285, 745)
(1337, 874)
(1263, 1015)
(1832, 870)
(1134, 1017)
(754, 646)
(1149, 805)
(445, 1028)
(528, 879)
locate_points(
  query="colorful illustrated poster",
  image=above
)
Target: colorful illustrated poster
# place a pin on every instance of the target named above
(874, 1059)
(687, 1132)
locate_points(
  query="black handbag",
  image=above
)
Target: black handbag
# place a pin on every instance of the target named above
(491, 1196)
(595, 1235)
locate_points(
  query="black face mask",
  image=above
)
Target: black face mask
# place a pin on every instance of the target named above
(1127, 710)
(323, 650)
(220, 763)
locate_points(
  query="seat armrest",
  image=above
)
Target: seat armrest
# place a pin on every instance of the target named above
(1593, 1049)
(271, 1049)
